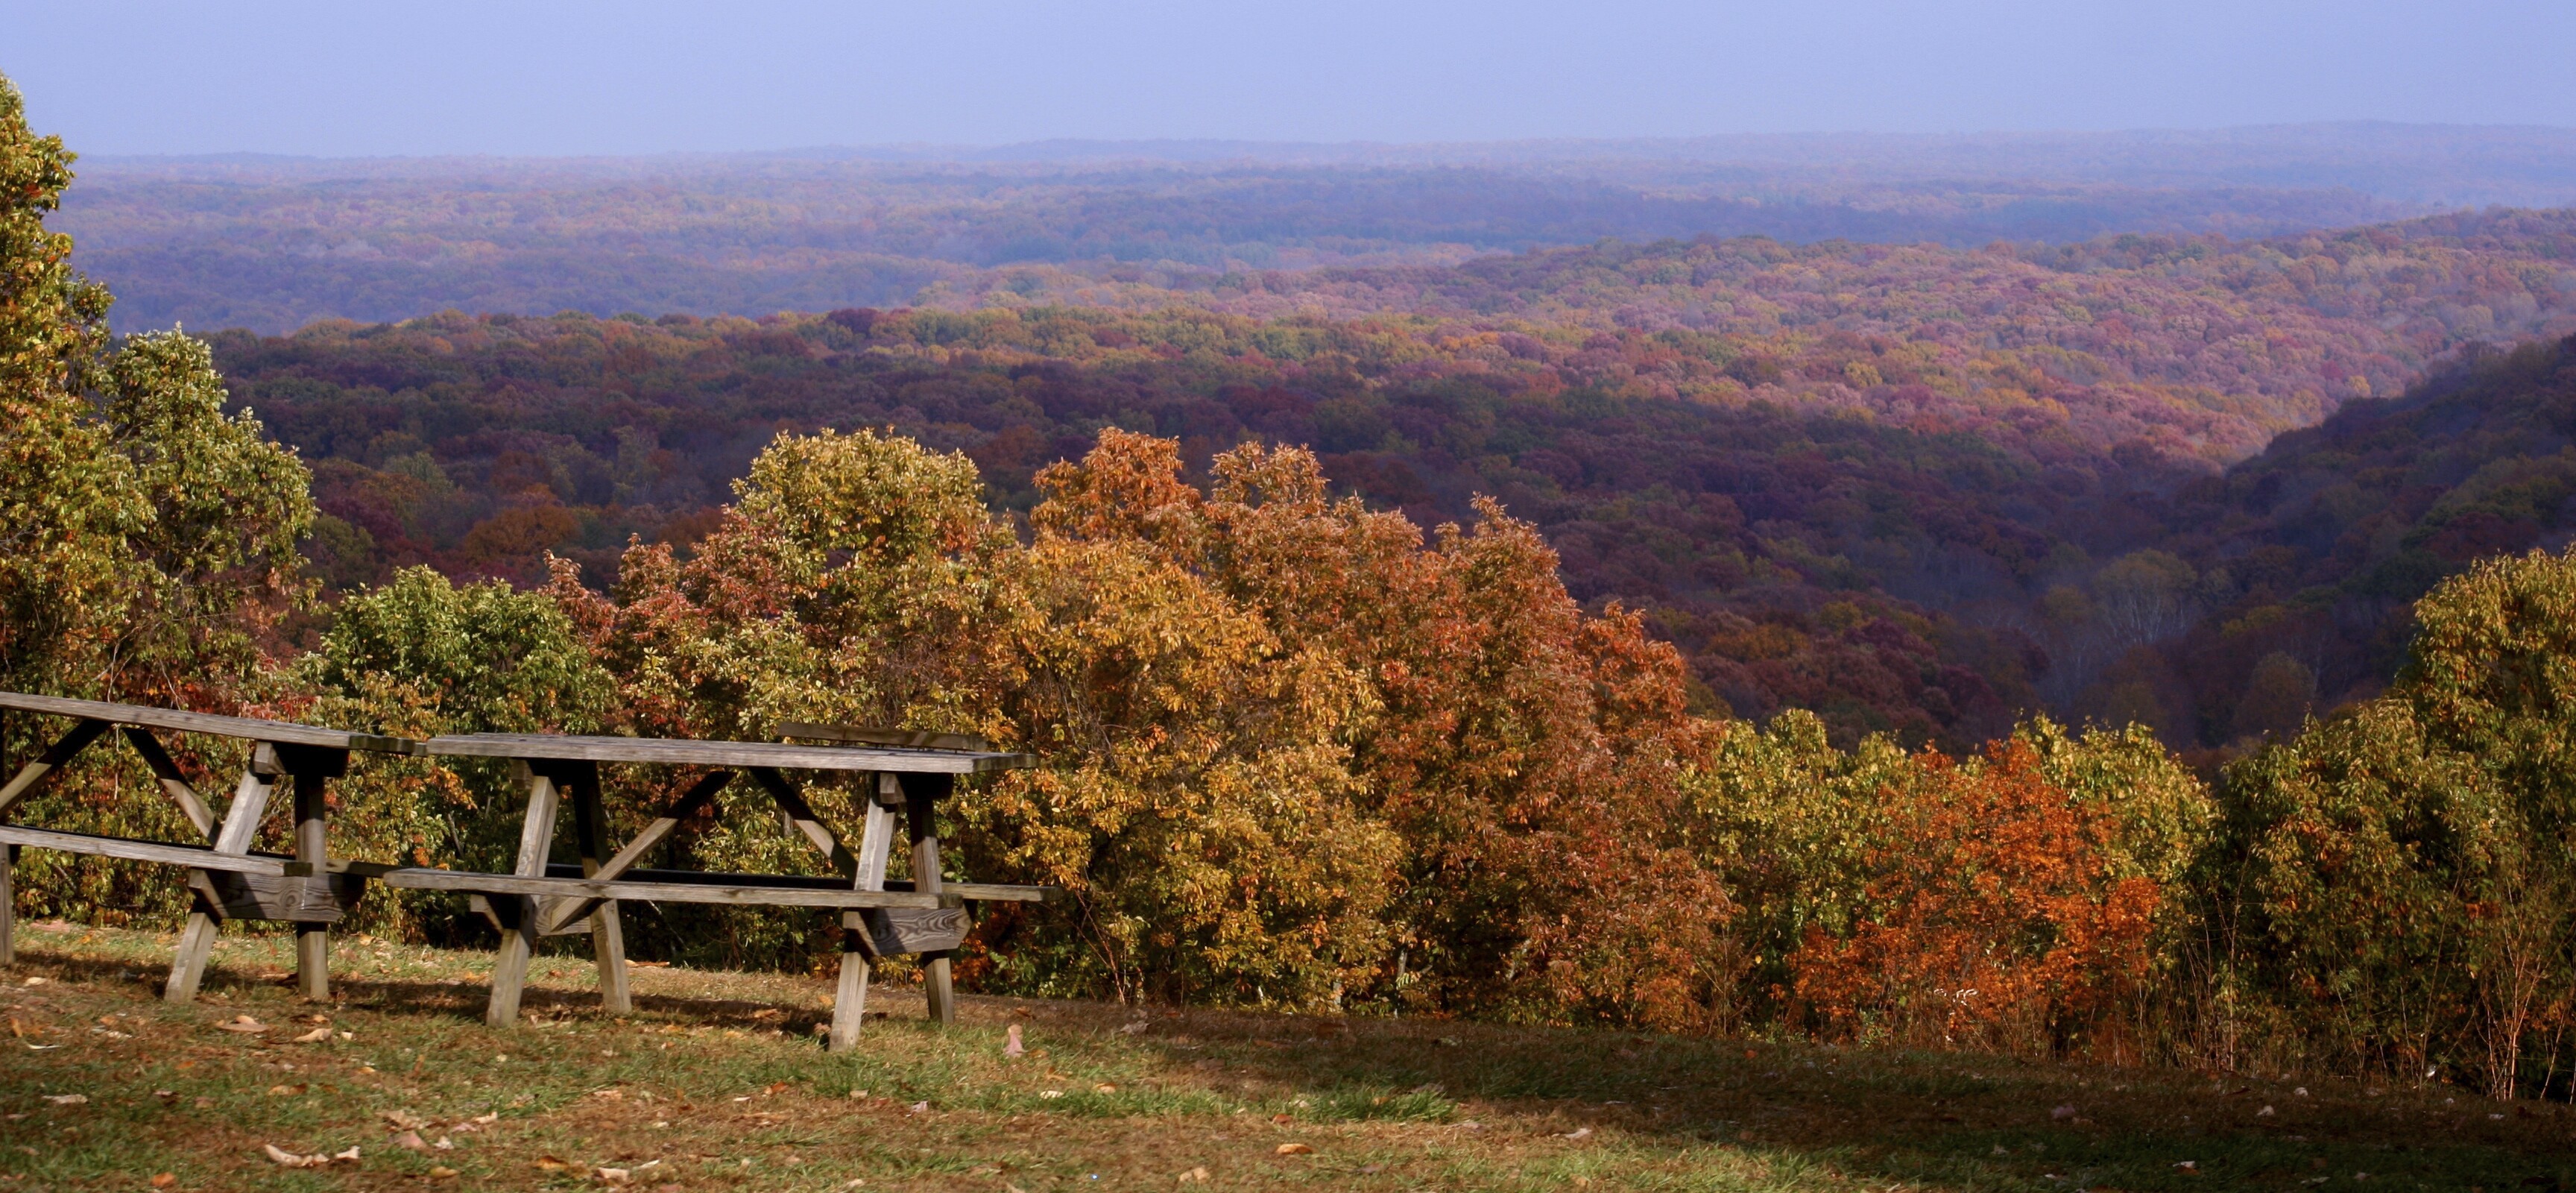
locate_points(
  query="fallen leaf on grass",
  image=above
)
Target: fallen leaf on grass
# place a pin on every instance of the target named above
(287, 1091)
(404, 1120)
(985, 1170)
(286, 1159)
(315, 1036)
(1050, 1093)
(442, 1173)
(2062, 1113)
(1104, 1088)
(242, 1023)
(1579, 1133)
(614, 1176)
(550, 1164)
(410, 1141)
(1195, 1176)
(163, 1180)
(67, 1099)
(1294, 1149)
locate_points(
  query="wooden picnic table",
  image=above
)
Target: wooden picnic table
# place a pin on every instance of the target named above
(313, 890)
(228, 878)
(910, 771)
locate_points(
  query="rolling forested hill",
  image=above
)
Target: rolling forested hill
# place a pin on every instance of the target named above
(273, 243)
(1915, 489)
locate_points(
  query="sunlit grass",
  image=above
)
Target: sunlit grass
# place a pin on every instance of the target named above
(718, 1082)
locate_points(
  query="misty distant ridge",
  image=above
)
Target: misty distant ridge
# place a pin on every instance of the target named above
(2436, 165)
(273, 243)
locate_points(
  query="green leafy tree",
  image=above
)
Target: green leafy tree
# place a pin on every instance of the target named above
(2406, 879)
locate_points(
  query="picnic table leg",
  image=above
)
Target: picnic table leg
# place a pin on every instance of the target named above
(921, 796)
(536, 835)
(8, 905)
(312, 941)
(607, 936)
(876, 843)
(8, 875)
(850, 996)
(241, 822)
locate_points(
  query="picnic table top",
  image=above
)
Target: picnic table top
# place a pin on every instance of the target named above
(285, 733)
(554, 747)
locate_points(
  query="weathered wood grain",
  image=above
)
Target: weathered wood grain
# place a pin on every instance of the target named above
(607, 935)
(246, 896)
(536, 836)
(858, 943)
(200, 856)
(917, 739)
(247, 728)
(232, 846)
(676, 752)
(969, 892)
(740, 893)
(921, 795)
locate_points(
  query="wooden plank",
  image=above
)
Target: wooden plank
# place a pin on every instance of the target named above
(970, 892)
(248, 728)
(241, 822)
(902, 930)
(660, 830)
(858, 946)
(536, 836)
(916, 739)
(8, 905)
(423, 878)
(607, 936)
(197, 856)
(64, 749)
(312, 938)
(173, 784)
(8, 871)
(537, 746)
(243, 896)
(921, 794)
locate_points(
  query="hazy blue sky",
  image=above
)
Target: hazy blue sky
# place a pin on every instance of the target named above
(532, 76)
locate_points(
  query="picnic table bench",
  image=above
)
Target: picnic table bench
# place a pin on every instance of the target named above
(312, 890)
(230, 879)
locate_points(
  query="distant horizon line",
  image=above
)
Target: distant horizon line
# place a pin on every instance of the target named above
(1205, 149)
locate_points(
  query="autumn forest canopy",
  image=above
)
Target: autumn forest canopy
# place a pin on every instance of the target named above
(2152, 646)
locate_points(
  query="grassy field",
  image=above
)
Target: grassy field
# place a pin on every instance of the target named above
(719, 1082)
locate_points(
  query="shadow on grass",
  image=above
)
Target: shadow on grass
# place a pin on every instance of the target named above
(1802, 1113)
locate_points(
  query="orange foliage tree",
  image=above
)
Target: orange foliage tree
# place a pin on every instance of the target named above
(1996, 915)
